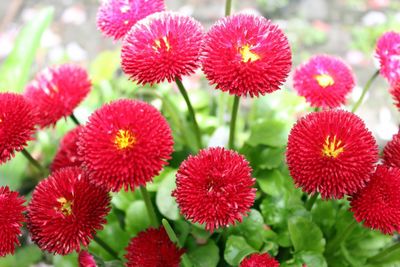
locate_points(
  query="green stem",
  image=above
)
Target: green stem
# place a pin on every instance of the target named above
(172, 236)
(149, 206)
(74, 119)
(232, 130)
(228, 7)
(106, 247)
(365, 90)
(311, 200)
(339, 239)
(191, 112)
(381, 255)
(33, 161)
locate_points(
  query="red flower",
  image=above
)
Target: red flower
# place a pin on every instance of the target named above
(67, 154)
(153, 248)
(125, 144)
(215, 187)
(391, 152)
(395, 92)
(388, 53)
(331, 152)
(378, 204)
(246, 54)
(86, 259)
(17, 124)
(57, 91)
(66, 210)
(163, 46)
(11, 210)
(258, 260)
(116, 17)
(324, 81)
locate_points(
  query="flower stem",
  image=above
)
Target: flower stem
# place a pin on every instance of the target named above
(149, 206)
(381, 255)
(235, 109)
(339, 239)
(106, 247)
(310, 201)
(172, 236)
(191, 111)
(228, 7)
(33, 161)
(365, 90)
(74, 119)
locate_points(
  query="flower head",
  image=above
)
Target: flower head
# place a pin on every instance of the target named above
(324, 81)
(258, 259)
(246, 55)
(388, 53)
(378, 204)
(125, 144)
(11, 210)
(215, 187)
(57, 91)
(67, 154)
(391, 152)
(153, 248)
(86, 259)
(66, 210)
(163, 46)
(116, 17)
(17, 124)
(331, 152)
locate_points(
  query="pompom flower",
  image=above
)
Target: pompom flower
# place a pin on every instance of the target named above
(324, 81)
(395, 92)
(153, 248)
(57, 91)
(388, 53)
(391, 152)
(258, 260)
(331, 152)
(116, 17)
(214, 187)
(85, 259)
(17, 124)
(246, 55)
(66, 210)
(163, 46)
(378, 204)
(67, 154)
(125, 144)
(11, 210)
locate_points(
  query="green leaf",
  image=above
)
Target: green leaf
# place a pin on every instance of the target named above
(206, 255)
(104, 66)
(137, 218)
(24, 257)
(272, 183)
(236, 249)
(165, 202)
(311, 258)
(70, 260)
(14, 73)
(251, 227)
(306, 235)
(268, 132)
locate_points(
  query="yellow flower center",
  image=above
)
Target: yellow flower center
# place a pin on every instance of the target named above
(124, 139)
(160, 43)
(332, 147)
(66, 206)
(247, 54)
(324, 80)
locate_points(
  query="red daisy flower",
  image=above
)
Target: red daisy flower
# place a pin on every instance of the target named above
(125, 144)
(17, 124)
(66, 210)
(116, 17)
(57, 91)
(388, 53)
(246, 54)
(67, 154)
(331, 152)
(215, 187)
(86, 259)
(378, 204)
(324, 81)
(11, 210)
(153, 248)
(258, 259)
(163, 46)
(391, 152)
